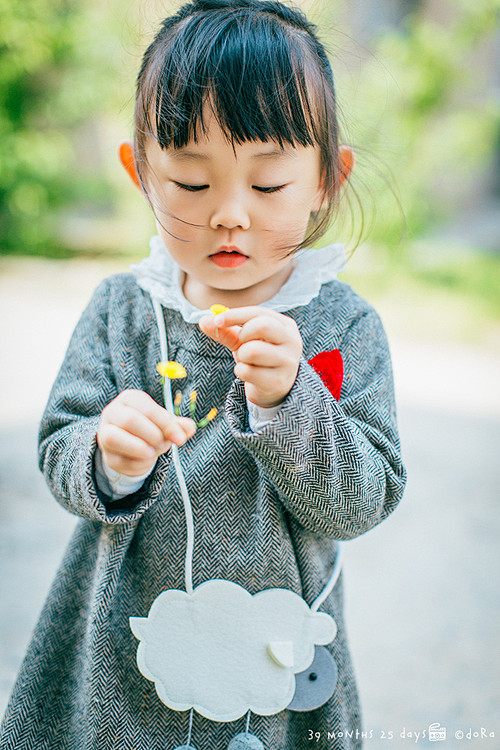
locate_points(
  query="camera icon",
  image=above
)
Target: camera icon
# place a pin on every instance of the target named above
(436, 732)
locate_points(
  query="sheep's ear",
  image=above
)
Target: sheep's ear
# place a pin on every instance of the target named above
(138, 626)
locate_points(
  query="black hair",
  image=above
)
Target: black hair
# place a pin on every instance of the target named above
(265, 72)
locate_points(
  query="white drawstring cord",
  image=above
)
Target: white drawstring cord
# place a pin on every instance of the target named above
(169, 405)
(331, 581)
(167, 393)
(190, 727)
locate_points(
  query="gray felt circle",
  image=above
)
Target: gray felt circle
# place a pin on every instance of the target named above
(245, 742)
(316, 684)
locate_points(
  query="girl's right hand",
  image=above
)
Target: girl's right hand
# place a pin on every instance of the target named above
(134, 430)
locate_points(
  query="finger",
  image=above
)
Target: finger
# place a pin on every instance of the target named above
(187, 425)
(266, 328)
(115, 440)
(136, 423)
(227, 336)
(240, 315)
(267, 387)
(166, 422)
(128, 466)
(261, 354)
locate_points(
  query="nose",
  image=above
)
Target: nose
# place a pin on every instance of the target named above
(230, 213)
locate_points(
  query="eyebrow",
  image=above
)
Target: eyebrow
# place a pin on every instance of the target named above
(276, 154)
(181, 155)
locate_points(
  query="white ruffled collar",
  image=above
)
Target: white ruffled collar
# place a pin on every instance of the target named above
(160, 275)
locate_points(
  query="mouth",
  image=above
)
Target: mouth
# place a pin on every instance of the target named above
(228, 257)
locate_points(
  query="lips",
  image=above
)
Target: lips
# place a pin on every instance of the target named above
(228, 257)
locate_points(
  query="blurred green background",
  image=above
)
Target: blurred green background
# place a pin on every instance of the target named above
(418, 85)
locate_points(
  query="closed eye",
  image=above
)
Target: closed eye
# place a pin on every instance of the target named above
(197, 188)
(268, 189)
(190, 188)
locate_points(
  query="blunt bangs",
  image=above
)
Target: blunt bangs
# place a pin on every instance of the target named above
(249, 67)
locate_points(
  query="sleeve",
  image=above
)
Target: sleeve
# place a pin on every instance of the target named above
(336, 466)
(68, 430)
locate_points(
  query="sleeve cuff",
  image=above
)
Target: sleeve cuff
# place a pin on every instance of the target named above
(259, 416)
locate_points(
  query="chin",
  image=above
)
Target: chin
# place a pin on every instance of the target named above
(227, 284)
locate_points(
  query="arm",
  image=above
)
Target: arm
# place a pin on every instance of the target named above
(84, 387)
(335, 465)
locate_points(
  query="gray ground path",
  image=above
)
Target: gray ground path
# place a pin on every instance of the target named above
(422, 589)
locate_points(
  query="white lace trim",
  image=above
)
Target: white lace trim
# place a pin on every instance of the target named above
(160, 275)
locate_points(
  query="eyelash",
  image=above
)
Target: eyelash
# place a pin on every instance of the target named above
(269, 189)
(190, 188)
(197, 188)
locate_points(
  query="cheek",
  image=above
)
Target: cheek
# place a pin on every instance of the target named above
(283, 239)
(170, 205)
(288, 225)
(292, 215)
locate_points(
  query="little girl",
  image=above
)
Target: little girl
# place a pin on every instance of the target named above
(236, 150)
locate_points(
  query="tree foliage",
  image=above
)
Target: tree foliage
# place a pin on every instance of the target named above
(421, 120)
(58, 61)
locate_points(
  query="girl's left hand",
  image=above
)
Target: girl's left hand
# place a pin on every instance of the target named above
(266, 347)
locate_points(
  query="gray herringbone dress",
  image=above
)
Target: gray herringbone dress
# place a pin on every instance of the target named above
(268, 508)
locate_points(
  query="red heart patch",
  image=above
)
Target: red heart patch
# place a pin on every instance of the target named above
(330, 368)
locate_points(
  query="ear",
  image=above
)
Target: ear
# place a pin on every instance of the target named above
(346, 163)
(126, 156)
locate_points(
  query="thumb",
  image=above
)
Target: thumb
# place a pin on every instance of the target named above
(228, 336)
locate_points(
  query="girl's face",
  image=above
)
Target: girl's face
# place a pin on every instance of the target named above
(228, 216)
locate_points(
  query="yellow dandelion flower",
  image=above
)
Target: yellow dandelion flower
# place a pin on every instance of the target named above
(192, 403)
(171, 370)
(211, 414)
(218, 309)
(177, 403)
